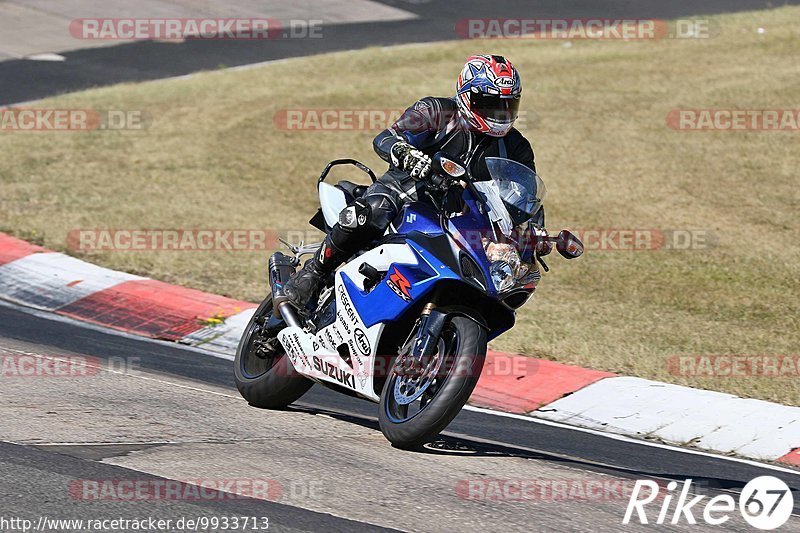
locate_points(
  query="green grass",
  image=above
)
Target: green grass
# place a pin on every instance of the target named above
(212, 158)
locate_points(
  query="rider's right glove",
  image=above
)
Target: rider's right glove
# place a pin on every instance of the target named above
(406, 157)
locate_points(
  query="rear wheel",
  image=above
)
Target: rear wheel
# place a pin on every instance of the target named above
(417, 404)
(263, 373)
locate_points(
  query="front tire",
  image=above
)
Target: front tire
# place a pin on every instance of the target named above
(266, 380)
(461, 354)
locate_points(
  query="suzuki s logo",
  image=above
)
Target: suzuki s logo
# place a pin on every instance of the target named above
(411, 218)
(362, 343)
(399, 285)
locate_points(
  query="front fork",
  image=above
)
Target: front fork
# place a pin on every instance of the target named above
(430, 328)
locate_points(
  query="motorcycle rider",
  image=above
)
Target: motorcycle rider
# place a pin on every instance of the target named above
(475, 124)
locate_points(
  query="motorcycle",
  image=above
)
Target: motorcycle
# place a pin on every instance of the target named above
(405, 323)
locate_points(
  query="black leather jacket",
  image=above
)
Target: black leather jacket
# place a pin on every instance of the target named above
(433, 124)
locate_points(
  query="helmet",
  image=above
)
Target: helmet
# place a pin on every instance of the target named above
(488, 91)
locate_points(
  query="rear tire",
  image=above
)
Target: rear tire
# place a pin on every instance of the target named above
(266, 382)
(465, 354)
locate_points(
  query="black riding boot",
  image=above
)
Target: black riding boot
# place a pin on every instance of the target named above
(305, 283)
(360, 223)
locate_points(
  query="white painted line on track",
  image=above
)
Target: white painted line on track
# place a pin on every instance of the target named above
(631, 440)
(45, 57)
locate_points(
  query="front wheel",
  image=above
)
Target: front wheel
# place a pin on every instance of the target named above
(416, 406)
(263, 373)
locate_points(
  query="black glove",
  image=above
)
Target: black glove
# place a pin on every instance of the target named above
(406, 157)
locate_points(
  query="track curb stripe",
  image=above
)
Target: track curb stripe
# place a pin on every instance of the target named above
(50, 281)
(791, 458)
(12, 249)
(36, 277)
(520, 384)
(704, 419)
(154, 309)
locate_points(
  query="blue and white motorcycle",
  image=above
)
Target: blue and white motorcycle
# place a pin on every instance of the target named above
(406, 322)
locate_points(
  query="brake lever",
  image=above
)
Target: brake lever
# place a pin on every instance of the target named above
(544, 265)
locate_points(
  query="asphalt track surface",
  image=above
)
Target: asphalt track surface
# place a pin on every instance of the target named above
(24, 80)
(163, 411)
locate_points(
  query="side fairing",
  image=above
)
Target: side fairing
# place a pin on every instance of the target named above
(409, 277)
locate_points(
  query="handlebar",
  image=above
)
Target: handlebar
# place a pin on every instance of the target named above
(359, 165)
(458, 172)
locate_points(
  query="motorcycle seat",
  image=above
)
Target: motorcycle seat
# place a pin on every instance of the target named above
(352, 190)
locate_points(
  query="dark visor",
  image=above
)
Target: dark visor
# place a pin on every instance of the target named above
(494, 107)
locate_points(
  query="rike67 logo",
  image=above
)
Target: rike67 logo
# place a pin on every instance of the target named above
(765, 503)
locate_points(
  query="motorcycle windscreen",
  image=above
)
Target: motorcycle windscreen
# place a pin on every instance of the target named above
(521, 190)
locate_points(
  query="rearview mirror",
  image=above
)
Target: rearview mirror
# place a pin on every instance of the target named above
(568, 245)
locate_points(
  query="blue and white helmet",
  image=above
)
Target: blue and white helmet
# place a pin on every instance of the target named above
(488, 93)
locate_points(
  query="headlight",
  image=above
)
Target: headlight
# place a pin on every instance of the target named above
(505, 257)
(502, 252)
(502, 275)
(504, 266)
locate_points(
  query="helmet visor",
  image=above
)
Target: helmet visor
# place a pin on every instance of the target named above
(501, 109)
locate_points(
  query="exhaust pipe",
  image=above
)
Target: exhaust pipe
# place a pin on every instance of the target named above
(289, 315)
